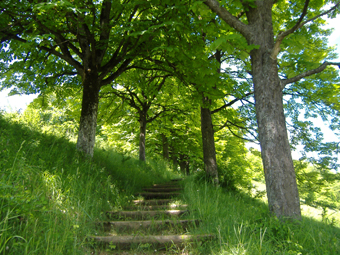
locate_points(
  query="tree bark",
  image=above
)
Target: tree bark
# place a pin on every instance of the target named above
(165, 145)
(89, 111)
(282, 191)
(209, 152)
(142, 133)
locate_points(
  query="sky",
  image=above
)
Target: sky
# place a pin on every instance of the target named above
(14, 103)
(20, 102)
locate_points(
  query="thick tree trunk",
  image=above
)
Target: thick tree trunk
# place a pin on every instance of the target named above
(209, 152)
(142, 133)
(88, 117)
(282, 191)
(165, 145)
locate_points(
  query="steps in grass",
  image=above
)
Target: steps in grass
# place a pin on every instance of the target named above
(163, 189)
(140, 223)
(145, 214)
(158, 195)
(159, 241)
(152, 202)
(167, 185)
(155, 207)
(145, 224)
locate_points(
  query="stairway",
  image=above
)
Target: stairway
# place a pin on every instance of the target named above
(152, 223)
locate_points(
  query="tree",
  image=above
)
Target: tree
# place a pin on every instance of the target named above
(142, 91)
(45, 44)
(261, 22)
(199, 68)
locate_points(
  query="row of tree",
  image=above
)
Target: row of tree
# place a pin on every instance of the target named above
(259, 56)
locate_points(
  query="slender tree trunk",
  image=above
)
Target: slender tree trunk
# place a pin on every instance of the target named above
(282, 191)
(184, 164)
(187, 167)
(88, 117)
(142, 133)
(174, 158)
(175, 162)
(207, 130)
(165, 145)
(209, 152)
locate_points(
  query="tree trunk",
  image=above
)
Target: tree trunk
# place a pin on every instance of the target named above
(88, 117)
(165, 145)
(282, 191)
(142, 133)
(187, 167)
(184, 164)
(209, 152)
(174, 158)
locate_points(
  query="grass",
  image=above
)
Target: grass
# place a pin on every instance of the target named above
(243, 225)
(50, 196)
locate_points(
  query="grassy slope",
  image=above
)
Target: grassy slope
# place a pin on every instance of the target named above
(50, 196)
(243, 225)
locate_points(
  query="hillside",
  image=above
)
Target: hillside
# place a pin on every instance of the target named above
(51, 196)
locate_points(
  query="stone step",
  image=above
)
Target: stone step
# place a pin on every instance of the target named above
(177, 180)
(135, 225)
(153, 202)
(126, 242)
(154, 207)
(145, 214)
(162, 189)
(158, 195)
(168, 184)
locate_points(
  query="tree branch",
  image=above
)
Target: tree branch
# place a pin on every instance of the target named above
(231, 102)
(105, 30)
(123, 67)
(59, 75)
(231, 20)
(127, 96)
(308, 73)
(298, 25)
(228, 124)
(155, 116)
(160, 85)
(62, 43)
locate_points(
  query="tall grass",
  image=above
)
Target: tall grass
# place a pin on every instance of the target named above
(243, 225)
(50, 195)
